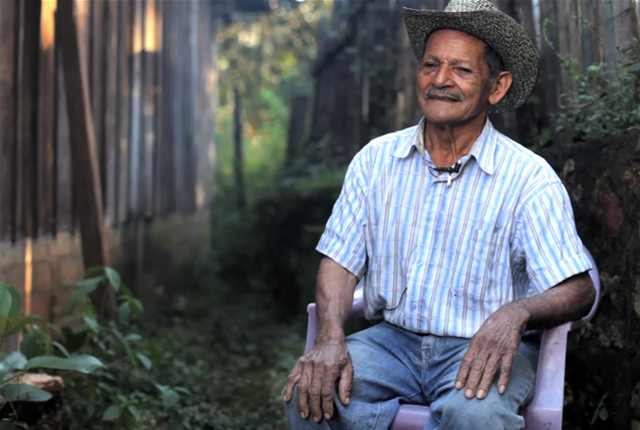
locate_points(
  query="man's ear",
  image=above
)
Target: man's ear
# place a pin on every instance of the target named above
(500, 87)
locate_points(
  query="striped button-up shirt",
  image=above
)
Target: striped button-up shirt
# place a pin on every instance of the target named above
(439, 253)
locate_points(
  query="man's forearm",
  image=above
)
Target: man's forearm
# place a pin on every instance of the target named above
(334, 299)
(568, 301)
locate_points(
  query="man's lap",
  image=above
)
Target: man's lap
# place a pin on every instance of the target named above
(393, 366)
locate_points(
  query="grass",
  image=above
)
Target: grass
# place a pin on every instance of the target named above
(230, 355)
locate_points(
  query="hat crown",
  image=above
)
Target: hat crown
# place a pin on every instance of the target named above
(470, 6)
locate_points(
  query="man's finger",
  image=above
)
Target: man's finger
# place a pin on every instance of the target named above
(505, 370)
(487, 378)
(344, 387)
(303, 389)
(328, 390)
(465, 368)
(475, 374)
(292, 380)
(315, 390)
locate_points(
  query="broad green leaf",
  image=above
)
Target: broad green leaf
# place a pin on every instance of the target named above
(170, 398)
(114, 278)
(144, 360)
(133, 337)
(134, 412)
(79, 363)
(10, 362)
(9, 326)
(124, 311)
(24, 392)
(94, 271)
(112, 413)
(61, 348)
(126, 291)
(603, 414)
(30, 345)
(137, 307)
(86, 287)
(15, 304)
(162, 388)
(4, 425)
(5, 301)
(92, 323)
(125, 344)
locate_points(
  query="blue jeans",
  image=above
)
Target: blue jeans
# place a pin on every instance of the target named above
(393, 366)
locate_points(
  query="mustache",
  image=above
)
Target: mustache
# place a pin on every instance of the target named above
(431, 92)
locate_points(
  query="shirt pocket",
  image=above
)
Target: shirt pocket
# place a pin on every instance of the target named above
(477, 280)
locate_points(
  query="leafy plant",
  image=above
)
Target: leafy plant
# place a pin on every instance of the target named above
(121, 394)
(603, 100)
(14, 365)
(270, 246)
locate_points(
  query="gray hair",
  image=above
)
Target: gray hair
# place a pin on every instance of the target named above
(495, 63)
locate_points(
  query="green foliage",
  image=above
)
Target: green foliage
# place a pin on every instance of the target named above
(119, 393)
(230, 354)
(268, 58)
(226, 349)
(14, 365)
(270, 246)
(602, 99)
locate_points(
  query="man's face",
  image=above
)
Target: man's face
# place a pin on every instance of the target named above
(454, 82)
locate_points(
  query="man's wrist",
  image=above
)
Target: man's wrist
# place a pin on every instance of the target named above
(521, 313)
(332, 334)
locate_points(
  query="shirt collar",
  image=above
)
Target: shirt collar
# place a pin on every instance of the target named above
(482, 150)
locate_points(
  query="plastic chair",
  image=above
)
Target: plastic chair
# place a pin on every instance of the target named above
(545, 410)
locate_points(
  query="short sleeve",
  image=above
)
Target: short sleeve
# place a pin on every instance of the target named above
(547, 236)
(343, 239)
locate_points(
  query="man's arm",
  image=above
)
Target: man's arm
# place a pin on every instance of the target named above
(317, 371)
(496, 343)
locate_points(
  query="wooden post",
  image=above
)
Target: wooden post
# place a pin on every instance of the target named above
(46, 120)
(9, 43)
(237, 149)
(84, 158)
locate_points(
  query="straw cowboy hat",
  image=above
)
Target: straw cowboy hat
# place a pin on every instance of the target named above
(483, 20)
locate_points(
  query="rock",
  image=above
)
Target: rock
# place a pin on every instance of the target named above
(48, 383)
(45, 414)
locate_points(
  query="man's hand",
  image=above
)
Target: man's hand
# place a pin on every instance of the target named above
(494, 346)
(316, 374)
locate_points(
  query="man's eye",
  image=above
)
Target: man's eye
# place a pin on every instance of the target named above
(428, 65)
(464, 70)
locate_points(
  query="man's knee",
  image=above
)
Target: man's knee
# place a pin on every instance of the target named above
(496, 411)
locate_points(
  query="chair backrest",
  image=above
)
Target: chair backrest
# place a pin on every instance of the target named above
(595, 278)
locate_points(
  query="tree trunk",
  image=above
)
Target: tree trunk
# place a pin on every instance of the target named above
(237, 150)
(297, 120)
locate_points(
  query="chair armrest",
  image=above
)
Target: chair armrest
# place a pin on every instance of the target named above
(545, 411)
(357, 312)
(311, 327)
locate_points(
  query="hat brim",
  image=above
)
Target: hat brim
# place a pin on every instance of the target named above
(496, 29)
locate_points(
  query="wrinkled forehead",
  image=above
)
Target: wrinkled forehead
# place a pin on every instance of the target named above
(442, 39)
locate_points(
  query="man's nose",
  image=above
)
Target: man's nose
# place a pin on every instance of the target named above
(442, 77)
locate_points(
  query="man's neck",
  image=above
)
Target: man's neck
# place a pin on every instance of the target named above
(448, 143)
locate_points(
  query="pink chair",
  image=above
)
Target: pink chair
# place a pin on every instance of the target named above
(545, 410)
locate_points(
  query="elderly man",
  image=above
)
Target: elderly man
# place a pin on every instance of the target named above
(464, 240)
